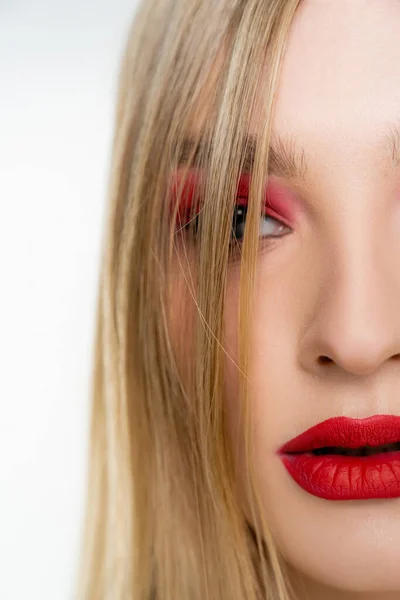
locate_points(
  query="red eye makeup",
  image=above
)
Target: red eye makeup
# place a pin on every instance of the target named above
(279, 202)
(186, 191)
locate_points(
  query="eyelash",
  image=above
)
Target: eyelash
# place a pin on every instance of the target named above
(239, 219)
(241, 211)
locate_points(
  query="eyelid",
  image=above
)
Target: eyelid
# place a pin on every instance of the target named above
(184, 194)
(275, 206)
(189, 183)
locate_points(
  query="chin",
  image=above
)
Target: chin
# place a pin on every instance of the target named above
(363, 574)
(348, 545)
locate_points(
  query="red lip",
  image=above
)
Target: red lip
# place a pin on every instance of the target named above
(341, 477)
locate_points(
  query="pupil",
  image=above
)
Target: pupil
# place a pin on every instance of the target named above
(239, 218)
(238, 222)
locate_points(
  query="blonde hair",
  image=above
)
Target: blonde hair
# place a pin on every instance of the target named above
(162, 519)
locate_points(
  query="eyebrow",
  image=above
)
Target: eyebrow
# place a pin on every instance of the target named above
(286, 159)
(392, 140)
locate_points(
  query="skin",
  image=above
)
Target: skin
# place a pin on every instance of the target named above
(336, 281)
(337, 92)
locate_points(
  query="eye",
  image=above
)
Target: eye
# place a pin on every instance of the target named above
(270, 230)
(270, 227)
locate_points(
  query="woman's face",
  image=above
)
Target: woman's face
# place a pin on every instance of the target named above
(326, 341)
(331, 289)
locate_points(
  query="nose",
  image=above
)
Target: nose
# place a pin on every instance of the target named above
(355, 316)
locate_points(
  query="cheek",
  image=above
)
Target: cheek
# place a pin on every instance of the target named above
(334, 543)
(231, 379)
(268, 341)
(272, 347)
(181, 311)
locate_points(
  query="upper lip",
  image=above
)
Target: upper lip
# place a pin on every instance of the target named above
(377, 430)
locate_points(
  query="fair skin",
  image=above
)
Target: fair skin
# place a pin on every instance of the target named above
(336, 283)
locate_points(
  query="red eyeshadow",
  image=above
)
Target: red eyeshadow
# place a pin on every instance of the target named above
(189, 189)
(279, 202)
(283, 201)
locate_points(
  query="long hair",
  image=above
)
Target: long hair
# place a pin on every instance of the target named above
(163, 520)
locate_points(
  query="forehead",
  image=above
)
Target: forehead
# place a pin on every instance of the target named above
(339, 90)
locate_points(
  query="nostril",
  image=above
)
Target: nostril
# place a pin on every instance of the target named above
(324, 359)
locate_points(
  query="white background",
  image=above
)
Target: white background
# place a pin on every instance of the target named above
(58, 73)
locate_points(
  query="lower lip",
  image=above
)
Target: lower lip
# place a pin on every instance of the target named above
(337, 477)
